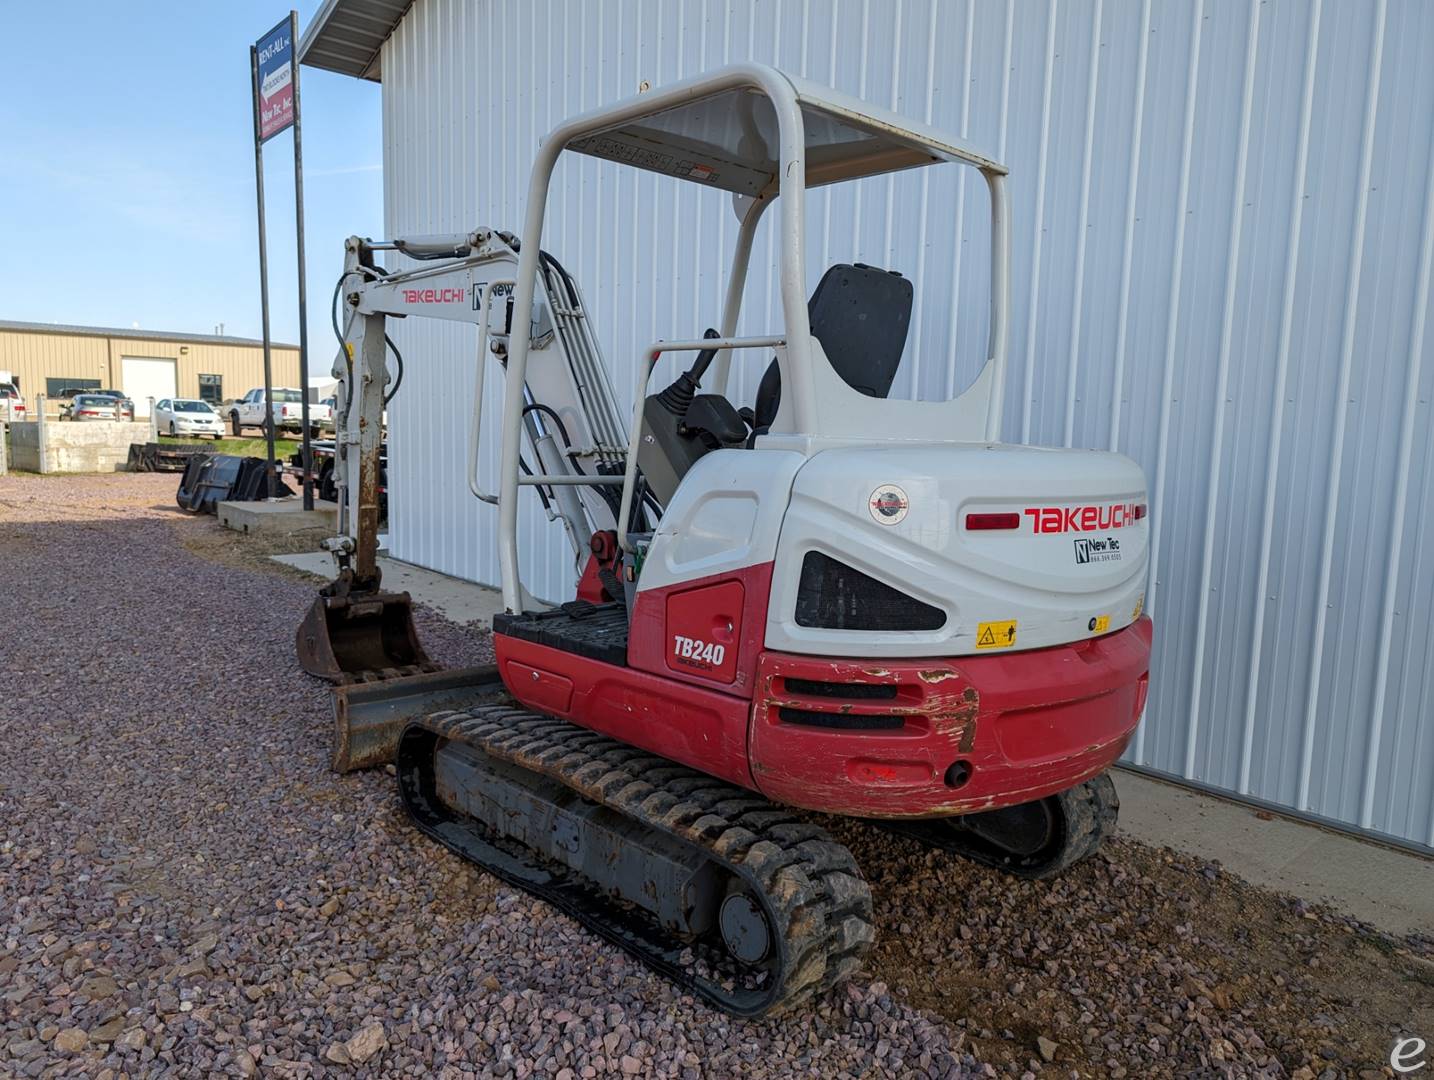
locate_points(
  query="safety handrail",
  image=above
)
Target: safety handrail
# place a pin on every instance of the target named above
(644, 373)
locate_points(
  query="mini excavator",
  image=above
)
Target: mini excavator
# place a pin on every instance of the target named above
(827, 599)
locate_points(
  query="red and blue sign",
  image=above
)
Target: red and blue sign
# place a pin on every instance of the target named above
(276, 80)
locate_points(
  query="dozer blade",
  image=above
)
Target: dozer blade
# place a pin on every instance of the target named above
(361, 637)
(369, 717)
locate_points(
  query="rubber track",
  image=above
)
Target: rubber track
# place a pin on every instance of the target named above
(1089, 813)
(817, 900)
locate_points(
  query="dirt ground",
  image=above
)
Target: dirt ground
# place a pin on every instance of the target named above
(330, 918)
(1144, 962)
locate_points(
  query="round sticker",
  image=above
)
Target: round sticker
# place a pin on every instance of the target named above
(888, 504)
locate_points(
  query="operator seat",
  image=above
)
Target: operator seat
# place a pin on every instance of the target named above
(861, 315)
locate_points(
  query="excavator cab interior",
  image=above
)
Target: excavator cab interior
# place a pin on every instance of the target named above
(860, 314)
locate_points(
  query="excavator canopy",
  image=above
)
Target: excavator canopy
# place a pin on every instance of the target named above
(730, 139)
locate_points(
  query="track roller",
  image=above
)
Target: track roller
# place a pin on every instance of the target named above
(729, 896)
(1032, 840)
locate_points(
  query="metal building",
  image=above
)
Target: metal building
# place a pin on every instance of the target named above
(51, 359)
(1223, 230)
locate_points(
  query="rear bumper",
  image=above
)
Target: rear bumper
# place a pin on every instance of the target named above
(926, 738)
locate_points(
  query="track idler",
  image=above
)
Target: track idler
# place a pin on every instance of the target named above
(1032, 840)
(353, 635)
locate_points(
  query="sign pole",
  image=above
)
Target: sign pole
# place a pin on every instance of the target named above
(306, 456)
(263, 273)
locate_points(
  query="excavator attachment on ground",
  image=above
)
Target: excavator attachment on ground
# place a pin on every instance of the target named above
(361, 637)
(831, 600)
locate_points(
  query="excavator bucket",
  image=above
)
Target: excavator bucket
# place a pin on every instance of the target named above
(361, 637)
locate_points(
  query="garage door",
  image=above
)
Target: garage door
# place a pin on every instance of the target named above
(144, 378)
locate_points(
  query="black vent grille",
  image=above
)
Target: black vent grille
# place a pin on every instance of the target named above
(839, 721)
(834, 596)
(842, 690)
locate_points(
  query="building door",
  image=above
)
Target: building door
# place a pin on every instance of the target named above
(143, 378)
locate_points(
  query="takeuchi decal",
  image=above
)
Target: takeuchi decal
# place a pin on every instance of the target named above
(1059, 519)
(435, 296)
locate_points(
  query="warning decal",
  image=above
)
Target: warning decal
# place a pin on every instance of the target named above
(1099, 624)
(996, 635)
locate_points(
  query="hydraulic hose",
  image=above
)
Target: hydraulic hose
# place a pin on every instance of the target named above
(398, 376)
(339, 336)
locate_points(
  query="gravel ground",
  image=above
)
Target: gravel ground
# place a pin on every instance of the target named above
(186, 890)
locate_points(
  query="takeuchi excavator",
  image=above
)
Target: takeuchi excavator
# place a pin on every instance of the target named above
(825, 600)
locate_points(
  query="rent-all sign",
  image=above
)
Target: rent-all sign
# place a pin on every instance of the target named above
(276, 80)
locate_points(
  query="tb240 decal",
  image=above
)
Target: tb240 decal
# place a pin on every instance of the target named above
(695, 653)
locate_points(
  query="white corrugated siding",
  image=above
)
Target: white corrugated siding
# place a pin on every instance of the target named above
(1222, 237)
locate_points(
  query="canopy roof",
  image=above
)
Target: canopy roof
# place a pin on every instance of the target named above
(730, 139)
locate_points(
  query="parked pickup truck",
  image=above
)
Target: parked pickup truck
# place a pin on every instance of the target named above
(287, 407)
(324, 486)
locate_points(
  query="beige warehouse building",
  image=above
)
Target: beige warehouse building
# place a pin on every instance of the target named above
(51, 359)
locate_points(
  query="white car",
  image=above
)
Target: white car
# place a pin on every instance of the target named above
(12, 405)
(187, 416)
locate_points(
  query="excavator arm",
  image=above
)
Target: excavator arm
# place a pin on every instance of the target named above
(356, 634)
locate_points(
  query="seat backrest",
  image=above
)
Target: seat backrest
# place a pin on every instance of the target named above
(861, 315)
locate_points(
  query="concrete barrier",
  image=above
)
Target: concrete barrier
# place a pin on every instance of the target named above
(74, 447)
(279, 517)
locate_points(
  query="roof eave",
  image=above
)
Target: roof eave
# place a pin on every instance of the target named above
(119, 333)
(347, 36)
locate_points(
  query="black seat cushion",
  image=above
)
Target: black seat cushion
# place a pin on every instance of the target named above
(861, 315)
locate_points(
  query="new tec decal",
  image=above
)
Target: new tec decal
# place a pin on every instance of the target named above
(1059, 519)
(501, 289)
(1096, 549)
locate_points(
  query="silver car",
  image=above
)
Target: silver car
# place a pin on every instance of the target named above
(93, 407)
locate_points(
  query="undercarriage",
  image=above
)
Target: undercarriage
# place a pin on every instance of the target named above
(739, 900)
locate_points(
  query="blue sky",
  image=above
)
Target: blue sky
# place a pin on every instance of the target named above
(127, 171)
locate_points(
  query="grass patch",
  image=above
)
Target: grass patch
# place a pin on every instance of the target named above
(283, 448)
